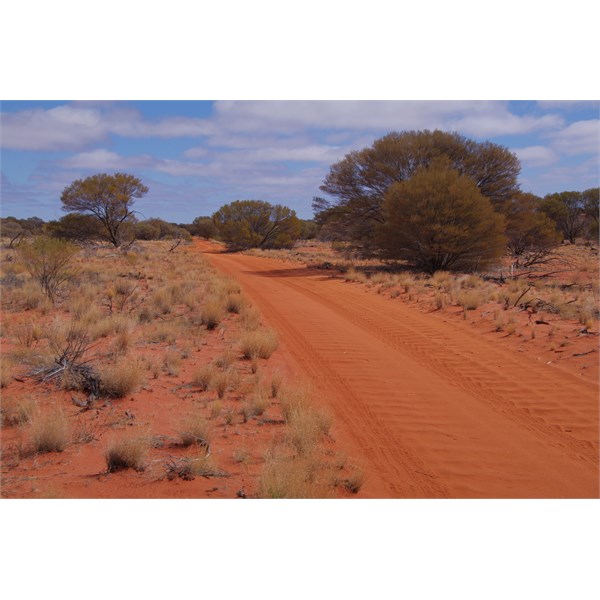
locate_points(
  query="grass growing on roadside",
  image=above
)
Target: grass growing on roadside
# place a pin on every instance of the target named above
(259, 344)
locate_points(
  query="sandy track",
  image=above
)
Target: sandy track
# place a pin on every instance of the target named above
(431, 409)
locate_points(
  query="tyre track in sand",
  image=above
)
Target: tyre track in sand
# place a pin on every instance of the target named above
(431, 409)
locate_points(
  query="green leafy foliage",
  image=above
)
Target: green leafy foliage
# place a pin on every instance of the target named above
(256, 224)
(48, 261)
(360, 180)
(566, 209)
(531, 234)
(109, 199)
(439, 220)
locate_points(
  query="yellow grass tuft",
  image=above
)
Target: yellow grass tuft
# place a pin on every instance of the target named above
(50, 432)
(122, 379)
(127, 453)
(259, 344)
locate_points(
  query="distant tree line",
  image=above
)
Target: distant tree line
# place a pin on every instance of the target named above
(435, 199)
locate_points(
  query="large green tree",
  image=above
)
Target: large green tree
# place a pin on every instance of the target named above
(360, 180)
(256, 224)
(108, 198)
(439, 220)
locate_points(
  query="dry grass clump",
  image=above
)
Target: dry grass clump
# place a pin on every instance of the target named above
(234, 303)
(111, 325)
(221, 381)
(6, 372)
(259, 344)
(204, 466)
(353, 275)
(30, 297)
(121, 379)
(28, 334)
(194, 429)
(306, 425)
(127, 453)
(440, 300)
(242, 456)
(441, 280)
(225, 360)
(276, 382)
(469, 299)
(291, 477)
(249, 318)
(122, 343)
(166, 332)
(162, 301)
(212, 314)
(50, 432)
(306, 428)
(255, 405)
(353, 482)
(15, 411)
(203, 377)
(172, 361)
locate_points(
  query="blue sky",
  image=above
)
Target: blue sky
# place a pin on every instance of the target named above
(197, 155)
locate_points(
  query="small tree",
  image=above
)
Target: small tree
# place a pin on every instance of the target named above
(11, 229)
(256, 224)
(74, 227)
(203, 227)
(48, 261)
(439, 220)
(109, 198)
(566, 209)
(531, 234)
(591, 207)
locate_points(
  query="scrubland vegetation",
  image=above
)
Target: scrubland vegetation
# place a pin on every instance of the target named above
(100, 309)
(91, 349)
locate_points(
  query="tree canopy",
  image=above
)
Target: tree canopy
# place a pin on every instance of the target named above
(108, 198)
(567, 210)
(360, 180)
(531, 233)
(439, 220)
(256, 224)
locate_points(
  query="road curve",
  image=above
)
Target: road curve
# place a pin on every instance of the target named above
(431, 409)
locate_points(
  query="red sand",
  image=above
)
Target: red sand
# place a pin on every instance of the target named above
(434, 408)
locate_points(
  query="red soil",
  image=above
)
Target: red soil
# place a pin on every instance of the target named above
(433, 408)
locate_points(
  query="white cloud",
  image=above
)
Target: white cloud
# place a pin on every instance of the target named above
(480, 118)
(75, 126)
(567, 104)
(581, 137)
(62, 127)
(104, 159)
(536, 156)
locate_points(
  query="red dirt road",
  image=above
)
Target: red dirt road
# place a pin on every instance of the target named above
(429, 408)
